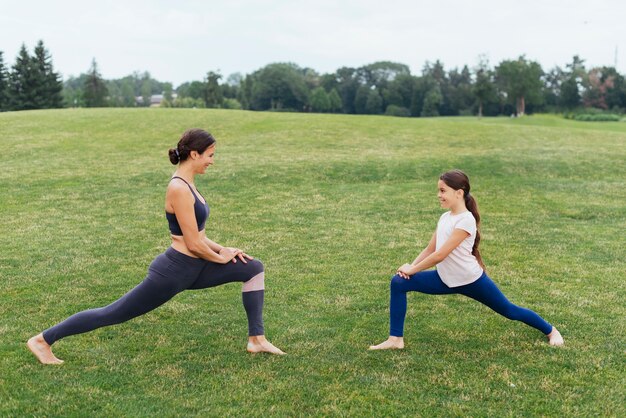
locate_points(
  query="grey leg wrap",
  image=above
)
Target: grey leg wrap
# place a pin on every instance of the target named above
(253, 304)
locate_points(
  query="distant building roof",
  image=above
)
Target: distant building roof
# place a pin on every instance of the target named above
(155, 99)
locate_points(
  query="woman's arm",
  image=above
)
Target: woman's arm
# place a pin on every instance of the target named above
(437, 256)
(218, 248)
(182, 202)
(212, 244)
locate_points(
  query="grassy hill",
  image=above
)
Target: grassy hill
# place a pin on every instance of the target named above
(331, 204)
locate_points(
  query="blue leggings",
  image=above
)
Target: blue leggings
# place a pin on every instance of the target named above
(483, 290)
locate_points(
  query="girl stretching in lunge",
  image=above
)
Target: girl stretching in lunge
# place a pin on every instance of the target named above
(192, 262)
(454, 250)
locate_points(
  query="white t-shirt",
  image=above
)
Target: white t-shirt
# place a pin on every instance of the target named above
(460, 267)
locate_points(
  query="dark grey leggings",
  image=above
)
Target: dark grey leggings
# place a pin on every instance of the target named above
(169, 274)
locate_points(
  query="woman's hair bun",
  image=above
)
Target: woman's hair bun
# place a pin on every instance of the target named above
(174, 158)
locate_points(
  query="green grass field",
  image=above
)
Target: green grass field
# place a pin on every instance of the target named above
(332, 205)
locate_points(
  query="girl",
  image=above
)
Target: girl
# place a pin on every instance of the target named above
(453, 248)
(192, 262)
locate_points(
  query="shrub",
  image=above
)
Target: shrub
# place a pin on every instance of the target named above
(188, 102)
(592, 115)
(231, 104)
(393, 110)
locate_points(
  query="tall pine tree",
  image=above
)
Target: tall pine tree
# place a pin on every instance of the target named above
(22, 95)
(95, 91)
(4, 85)
(48, 84)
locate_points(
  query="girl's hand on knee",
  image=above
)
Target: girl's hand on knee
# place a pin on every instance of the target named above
(404, 271)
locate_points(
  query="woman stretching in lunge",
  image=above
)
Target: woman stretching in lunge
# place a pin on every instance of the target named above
(454, 250)
(192, 262)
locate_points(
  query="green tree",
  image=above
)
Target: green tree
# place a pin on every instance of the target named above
(421, 88)
(48, 85)
(569, 97)
(22, 96)
(432, 101)
(348, 84)
(521, 81)
(435, 78)
(311, 78)
(167, 91)
(384, 77)
(278, 86)
(553, 80)
(212, 90)
(115, 93)
(230, 89)
(615, 95)
(574, 81)
(146, 90)
(400, 90)
(194, 90)
(4, 85)
(73, 91)
(374, 104)
(334, 101)
(484, 88)
(244, 94)
(94, 90)
(381, 73)
(329, 81)
(127, 92)
(360, 100)
(319, 100)
(460, 95)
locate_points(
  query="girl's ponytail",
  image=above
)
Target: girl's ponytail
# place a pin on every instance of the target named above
(472, 206)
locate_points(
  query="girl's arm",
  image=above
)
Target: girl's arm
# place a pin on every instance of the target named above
(430, 248)
(437, 256)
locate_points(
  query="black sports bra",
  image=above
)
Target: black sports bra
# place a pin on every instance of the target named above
(200, 209)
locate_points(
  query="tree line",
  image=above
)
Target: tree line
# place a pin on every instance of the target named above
(32, 82)
(516, 86)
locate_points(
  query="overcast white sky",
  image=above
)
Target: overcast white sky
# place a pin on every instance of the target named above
(180, 41)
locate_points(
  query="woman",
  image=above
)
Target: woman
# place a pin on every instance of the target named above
(453, 248)
(192, 262)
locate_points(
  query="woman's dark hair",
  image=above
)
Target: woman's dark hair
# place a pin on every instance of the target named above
(192, 140)
(458, 180)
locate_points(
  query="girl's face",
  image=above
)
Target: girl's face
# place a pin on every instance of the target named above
(448, 197)
(204, 160)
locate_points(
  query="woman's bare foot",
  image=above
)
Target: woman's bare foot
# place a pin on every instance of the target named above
(42, 350)
(393, 343)
(555, 338)
(258, 344)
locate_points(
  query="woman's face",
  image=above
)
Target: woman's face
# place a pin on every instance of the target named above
(204, 160)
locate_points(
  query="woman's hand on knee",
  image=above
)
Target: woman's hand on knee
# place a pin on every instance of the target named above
(228, 254)
(240, 254)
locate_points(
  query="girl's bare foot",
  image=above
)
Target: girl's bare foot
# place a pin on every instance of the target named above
(42, 350)
(258, 344)
(393, 343)
(555, 338)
